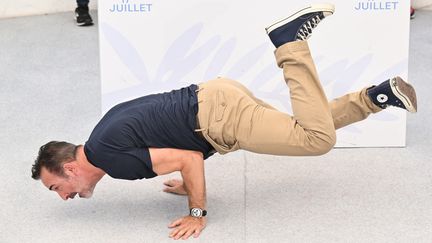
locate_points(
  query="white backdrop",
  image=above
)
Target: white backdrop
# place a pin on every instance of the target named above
(149, 46)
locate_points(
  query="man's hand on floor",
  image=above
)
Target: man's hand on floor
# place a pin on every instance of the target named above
(175, 186)
(187, 226)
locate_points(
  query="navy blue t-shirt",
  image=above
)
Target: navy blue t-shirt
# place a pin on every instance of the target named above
(119, 143)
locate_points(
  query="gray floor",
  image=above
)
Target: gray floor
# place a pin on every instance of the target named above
(50, 90)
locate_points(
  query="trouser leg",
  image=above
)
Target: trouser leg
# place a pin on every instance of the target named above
(310, 131)
(345, 110)
(232, 118)
(352, 108)
(246, 91)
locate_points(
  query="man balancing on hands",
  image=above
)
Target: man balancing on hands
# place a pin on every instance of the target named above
(176, 131)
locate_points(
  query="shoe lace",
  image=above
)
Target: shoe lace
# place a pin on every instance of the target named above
(306, 29)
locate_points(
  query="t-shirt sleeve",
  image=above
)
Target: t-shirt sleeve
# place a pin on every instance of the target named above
(129, 164)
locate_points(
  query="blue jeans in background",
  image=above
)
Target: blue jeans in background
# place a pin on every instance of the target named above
(82, 2)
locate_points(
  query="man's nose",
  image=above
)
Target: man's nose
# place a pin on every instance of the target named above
(63, 196)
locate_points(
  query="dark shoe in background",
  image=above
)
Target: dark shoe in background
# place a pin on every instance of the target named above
(82, 16)
(412, 12)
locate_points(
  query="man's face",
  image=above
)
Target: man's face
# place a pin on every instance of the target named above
(69, 186)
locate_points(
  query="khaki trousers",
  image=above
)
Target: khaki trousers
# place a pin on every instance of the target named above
(230, 117)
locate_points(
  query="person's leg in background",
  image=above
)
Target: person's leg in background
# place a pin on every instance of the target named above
(82, 15)
(412, 12)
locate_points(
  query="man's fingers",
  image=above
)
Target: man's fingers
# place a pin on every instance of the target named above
(197, 233)
(179, 234)
(173, 182)
(175, 223)
(173, 190)
(168, 183)
(174, 232)
(177, 231)
(170, 186)
(186, 227)
(188, 234)
(168, 189)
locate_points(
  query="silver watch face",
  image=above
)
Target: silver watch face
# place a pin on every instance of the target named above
(196, 212)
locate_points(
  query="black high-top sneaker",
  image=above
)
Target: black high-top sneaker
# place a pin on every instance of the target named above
(82, 16)
(394, 92)
(298, 26)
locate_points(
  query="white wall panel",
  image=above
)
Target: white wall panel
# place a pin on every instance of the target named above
(150, 46)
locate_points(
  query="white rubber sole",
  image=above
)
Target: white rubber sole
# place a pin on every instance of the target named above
(81, 24)
(404, 91)
(322, 7)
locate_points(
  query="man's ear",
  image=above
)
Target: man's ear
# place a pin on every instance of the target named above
(70, 168)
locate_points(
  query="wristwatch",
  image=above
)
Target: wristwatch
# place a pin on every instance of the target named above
(197, 212)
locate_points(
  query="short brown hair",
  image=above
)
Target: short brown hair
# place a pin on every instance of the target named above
(52, 156)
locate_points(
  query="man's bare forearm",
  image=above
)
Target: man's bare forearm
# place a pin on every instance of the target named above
(194, 181)
(191, 165)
